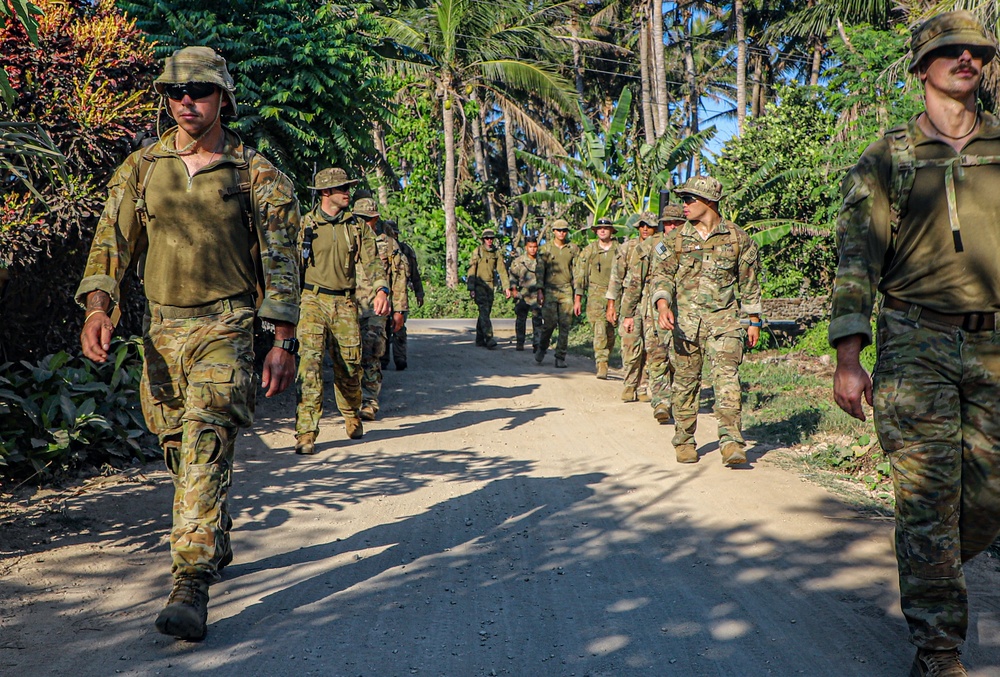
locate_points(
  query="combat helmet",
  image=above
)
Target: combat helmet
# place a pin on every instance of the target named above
(950, 28)
(197, 64)
(702, 186)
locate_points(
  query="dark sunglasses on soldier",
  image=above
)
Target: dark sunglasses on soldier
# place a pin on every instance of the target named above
(688, 199)
(196, 90)
(955, 51)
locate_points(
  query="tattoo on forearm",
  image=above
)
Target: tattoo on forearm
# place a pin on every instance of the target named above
(98, 300)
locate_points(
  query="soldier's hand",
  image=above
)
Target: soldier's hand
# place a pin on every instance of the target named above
(95, 337)
(628, 325)
(472, 295)
(753, 335)
(381, 304)
(541, 297)
(398, 319)
(508, 293)
(279, 371)
(611, 315)
(577, 306)
(420, 300)
(850, 380)
(666, 317)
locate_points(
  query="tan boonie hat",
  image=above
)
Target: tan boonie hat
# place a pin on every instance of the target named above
(649, 218)
(197, 64)
(603, 222)
(332, 178)
(489, 232)
(702, 186)
(950, 28)
(365, 207)
(673, 213)
(560, 224)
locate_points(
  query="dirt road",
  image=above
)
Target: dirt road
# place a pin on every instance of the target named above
(500, 518)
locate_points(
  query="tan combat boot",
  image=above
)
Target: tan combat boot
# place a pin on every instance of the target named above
(661, 412)
(305, 444)
(644, 396)
(944, 663)
(733, 454)
(355, 429)
(186, 613)
(628, 394)
(686, 453)
(602, 371)
(367, 412)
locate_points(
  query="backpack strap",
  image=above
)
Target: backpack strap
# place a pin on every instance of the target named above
(903, 163)
(249, 211)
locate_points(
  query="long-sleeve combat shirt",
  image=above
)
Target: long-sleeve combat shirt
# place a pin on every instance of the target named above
(623, 259)
(635, 298)
(394, 269)
(337, 245)
(923, 267)
(192, 246)
(483, 266)
(707, 280)
(524, 277)
(555, 267)
(593, 268)
(416, 283)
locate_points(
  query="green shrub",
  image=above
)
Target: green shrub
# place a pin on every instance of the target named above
(442, 302)
(814, 342)
(66, 411)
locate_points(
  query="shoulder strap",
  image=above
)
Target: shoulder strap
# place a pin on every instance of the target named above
(147, 162)
(250, 213)
(903, 170)
(736, 242)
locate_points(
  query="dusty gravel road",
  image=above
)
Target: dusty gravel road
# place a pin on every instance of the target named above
(499, 519)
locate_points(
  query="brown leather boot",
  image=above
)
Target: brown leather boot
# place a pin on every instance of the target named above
(944, 663)
(355, 428)
(628, 394)
(733, 454)
(686, 453)
(186, 613)
(367, 412)
(602, 371)
(305, 444)
(661, 412)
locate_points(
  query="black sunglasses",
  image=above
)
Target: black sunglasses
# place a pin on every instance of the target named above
(688, 199)
(955, 51)
(196, 90)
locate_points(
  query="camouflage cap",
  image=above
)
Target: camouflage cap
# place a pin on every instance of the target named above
(950, 28)
(334, 177)
(673, 213)
(197, 64)
(560, 224)
(648, 218)
(489, 232)
(702, 186)
(365, 207)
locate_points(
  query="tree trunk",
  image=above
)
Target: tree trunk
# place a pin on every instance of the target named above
(574, 30)
(741, 65)
(659, 69)
(817, 61)
(508, 141)
(383, 181)
(693, 99)
(644, 69)
(755, 109)
(482, 170)
(450, 220)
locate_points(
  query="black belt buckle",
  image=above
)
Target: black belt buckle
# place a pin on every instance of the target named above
(974, 322)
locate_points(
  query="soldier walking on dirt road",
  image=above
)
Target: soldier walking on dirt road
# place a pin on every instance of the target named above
(920, 224)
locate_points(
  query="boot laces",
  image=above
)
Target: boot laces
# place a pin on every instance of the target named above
(943, 663)
(187, 591)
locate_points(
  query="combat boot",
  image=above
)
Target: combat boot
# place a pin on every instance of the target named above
(944, 663)
(227, 557)
(354, 427)
(367, 412)
(186, 613)
(401, 366)
(643, 396)
(560, 363)
(491, 343)
(628, 394)
(733, 454)
(305, 444)
(686, 453)
(602, 371)
(661, 412)
(539, 355)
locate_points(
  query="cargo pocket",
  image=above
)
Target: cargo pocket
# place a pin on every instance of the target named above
(220, 394)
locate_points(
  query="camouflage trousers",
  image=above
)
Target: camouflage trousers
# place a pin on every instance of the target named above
(197, 391)
(327, 324)
(604, 331)
(557, 312)
(658, 365)
(372, 350)
(484, 325)
(633, 354)
(936, 389)
(395, 345)
(521, 311)
(725, 353)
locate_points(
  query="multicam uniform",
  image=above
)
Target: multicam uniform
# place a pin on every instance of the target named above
(637, 304)
(329, 317)
(633, 343)
(555, 275)
(524, 278)
(593, 274)
(484, 264)
(936, 382)
(701, 279)
(193, 250)
(393, 273)
(395, 341)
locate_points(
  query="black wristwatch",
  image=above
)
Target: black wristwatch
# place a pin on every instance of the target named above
(291, 345)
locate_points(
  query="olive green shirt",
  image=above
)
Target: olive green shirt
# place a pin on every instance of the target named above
(593, 268)
(484, 267)
(555, 267)
(339, 244)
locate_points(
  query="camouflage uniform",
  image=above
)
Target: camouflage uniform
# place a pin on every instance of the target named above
(394, 270)
(341, 247)
(633, 342)
(936, 382)
(701, 280)
(593, 274)
(555, 275)
(483, 266)
(197, 387)
(396, 340)
(524, 278)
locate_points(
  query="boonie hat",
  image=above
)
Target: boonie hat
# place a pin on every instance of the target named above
(489, 232)
(560, 224)
(673, 213)
(702, 186)
(365, 207)
(334, 177)
(649, 218)
(603, 222)
(950, 28)
(197, 64)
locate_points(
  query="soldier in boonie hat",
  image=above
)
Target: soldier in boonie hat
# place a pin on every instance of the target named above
(333, 177)
(193, 66)
(702, 186)
(560, 224)
(958, 29)
(366, 208)
(489, 233)
(673, 212)
(603, 222)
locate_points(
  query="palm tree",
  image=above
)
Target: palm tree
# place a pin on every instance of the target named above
(479, 47)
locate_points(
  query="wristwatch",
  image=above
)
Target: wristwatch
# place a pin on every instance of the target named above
(291, 345)
(384, 289)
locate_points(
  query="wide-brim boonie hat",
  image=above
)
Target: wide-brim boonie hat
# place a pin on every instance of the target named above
(702, 186)
(673, 213)
(950, 28)
(602, 223)
(334, 177)
(366, 207)
(560, 224)
(197, 64)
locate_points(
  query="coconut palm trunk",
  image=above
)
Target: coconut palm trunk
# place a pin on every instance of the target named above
(450, 220)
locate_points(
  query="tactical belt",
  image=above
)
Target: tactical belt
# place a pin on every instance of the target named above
(329, 292)
(160, 312)
(966, 321)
